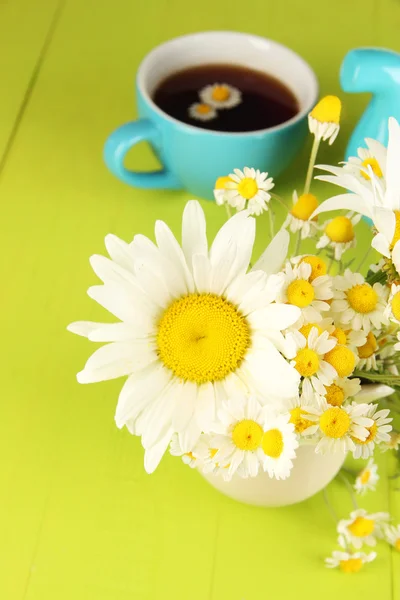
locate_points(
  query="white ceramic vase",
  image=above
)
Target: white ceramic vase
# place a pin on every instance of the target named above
(311, 473)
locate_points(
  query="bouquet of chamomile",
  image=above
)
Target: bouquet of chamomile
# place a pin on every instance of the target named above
(231, 365)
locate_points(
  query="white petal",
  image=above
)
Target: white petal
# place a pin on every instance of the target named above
(396, 256)
(224, 270)
(84, 328)
(122, 303)
(139, 390)
(185, 406)
(239, 229)
(392, 165)
(154, 287)
(153, 456)
(109, 271)
(385, 222)
(273, 257)
(276, 317)
(116, 332)
(194, 239)
(116, 360)
(189, 436)
(120, 252)
(205, 406)
(271, 373)
(346, 201)
(201, 272)
(158, 415)
(168, 245)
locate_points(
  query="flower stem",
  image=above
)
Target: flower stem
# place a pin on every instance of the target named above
(329, 506)
(280, 200)
(311, 164)
(363, 260)
(350, 490)
(298, 240)
(271, 223)
(228, 210)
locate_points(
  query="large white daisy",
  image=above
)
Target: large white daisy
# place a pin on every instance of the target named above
(358, 304)
(194, 325)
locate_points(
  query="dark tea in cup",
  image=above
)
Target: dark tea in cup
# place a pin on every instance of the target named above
(229, 98)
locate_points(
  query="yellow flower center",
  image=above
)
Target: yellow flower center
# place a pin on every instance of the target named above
(304, 207)
(203, 109)
(361, 527)
(342, 359)
(334, 422)
(220, 93)
(202, 337)
(221, 182)
(318, 266)
(369, 348)
(272, 443)
(365, 476)
(351, 565)
(340, 230)
(213, 452)
(372, 431)
(397, 544)
(247, 188)
(362, 298)
(340, 335)
(396, 306)
(334, 395)
(300, 293)
(305, 329)
(247, 435)
(327, 110)
(373, 163)
(307, 362)
(298, 419)
(396, 236)
(190, 455)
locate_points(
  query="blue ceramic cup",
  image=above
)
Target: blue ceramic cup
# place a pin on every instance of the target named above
(193, 158)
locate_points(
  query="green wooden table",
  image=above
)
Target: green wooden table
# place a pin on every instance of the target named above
(79, 518)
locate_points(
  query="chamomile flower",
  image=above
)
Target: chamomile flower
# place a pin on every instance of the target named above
(317, 264)
(247, 189)
(367, 353)
(239, 436)
(278, 446)
(324, 119)
(372, 158)
(392, 310)
(187, 457)
(297, 409)
(378, 201)
(393, 443)
(349, 562)
(337, 425)
(367, 478)
(202, 112)
(362, 528)
(308, 358)
(193, 327)
(299, 217)
(221, 95)
(348, 337)
(358, 304)
(339, 234)
(309, 296)
(392, 535)
(377, 432)
(341, 389)
(204, 453)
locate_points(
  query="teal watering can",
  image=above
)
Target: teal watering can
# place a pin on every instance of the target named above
(377, 71)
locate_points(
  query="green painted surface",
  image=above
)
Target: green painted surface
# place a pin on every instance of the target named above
(79, 517)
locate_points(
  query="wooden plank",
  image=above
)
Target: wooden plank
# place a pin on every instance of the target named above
(81, 519)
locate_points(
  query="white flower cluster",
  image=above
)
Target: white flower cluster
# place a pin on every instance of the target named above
(233, 366)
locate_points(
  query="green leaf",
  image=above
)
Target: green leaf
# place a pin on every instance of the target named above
(386, 378)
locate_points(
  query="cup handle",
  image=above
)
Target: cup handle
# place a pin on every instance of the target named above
(122, 140)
